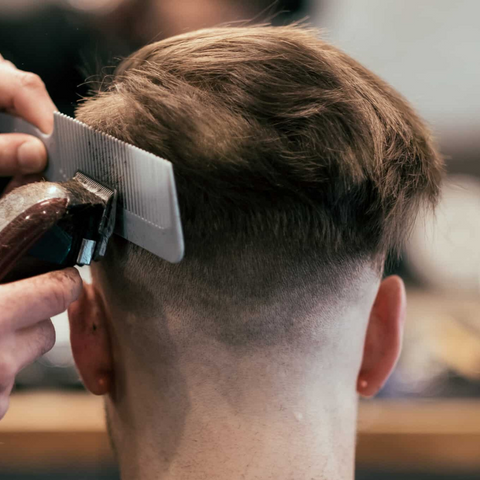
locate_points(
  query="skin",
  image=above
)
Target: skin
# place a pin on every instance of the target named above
(209, 412)
(26, 332)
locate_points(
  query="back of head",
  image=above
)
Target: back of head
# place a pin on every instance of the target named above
(297, 171)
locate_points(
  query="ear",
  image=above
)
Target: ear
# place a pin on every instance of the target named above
(90, 341)
(383, 341)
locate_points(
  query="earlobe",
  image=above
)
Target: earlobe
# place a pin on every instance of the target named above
(90, 340)
(383, 340)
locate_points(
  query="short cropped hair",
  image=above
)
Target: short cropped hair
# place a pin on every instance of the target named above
(294, 164)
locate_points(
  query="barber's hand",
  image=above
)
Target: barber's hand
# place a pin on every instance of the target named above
(26, 332)
(23, 94)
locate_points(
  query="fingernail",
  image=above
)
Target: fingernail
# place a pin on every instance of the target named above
(31, 156)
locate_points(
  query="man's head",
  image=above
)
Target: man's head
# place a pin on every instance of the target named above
(297, 172)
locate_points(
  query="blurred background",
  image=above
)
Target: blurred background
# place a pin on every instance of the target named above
(426, 422)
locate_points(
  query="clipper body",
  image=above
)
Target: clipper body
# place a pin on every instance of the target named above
(59, 224)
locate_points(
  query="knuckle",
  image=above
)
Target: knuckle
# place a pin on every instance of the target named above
(63, 291)
(7, 65)
(58, 301)
(46, 336)
(30, 80)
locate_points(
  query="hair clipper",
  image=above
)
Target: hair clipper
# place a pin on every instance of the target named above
(97, 185)
(57, 224)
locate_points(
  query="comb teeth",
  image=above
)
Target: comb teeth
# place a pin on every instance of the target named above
(147, 211)
(143, 180)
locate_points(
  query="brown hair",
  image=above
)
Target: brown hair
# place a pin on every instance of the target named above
(283, 147)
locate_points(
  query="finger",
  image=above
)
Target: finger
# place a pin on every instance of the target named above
(21, 348)
(7, 362)
(26, 302)
(8, 63)
(8, 387)
(33, 342)
(20, 153)
(8, 368)
(25, 95)
(4, 404)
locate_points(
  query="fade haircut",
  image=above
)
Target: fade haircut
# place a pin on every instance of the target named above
(295, 166)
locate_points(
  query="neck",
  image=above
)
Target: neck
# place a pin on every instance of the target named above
(233, 416)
